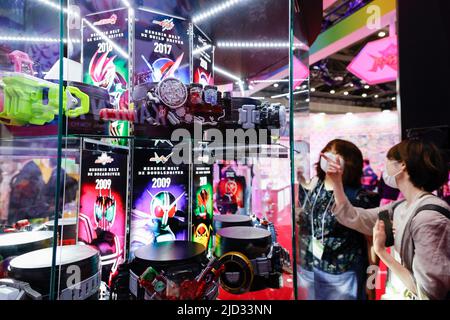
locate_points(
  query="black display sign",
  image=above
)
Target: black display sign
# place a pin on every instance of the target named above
(160, 210)
(102, 217)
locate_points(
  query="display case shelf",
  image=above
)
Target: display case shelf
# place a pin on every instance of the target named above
(128, 79)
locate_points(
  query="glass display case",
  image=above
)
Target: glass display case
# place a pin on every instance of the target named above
(147, 149)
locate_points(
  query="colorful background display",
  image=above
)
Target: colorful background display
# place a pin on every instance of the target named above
(373, 132)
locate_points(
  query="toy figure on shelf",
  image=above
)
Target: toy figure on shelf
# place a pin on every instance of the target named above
(29, 100)
(159, 287)
(170, 102)
(22, 62)
(107, 243)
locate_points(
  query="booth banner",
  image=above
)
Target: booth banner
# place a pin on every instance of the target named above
(160, 209)
(202, 58)
(161, 47)
(102, 217)
(105, 53)
(203, 209)
(377, 62)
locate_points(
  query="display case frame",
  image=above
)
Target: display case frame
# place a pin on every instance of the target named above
(109, 120)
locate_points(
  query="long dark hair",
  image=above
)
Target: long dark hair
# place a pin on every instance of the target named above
(353, 159)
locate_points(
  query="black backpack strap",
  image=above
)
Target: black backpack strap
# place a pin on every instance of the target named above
(433, 207)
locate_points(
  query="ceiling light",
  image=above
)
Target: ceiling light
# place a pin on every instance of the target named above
(276, 85)
(364, 95)
(332, 91)
(253, 44)
(55, 6)
(376, 96)
(35, 39)
(346, 93)
(381, 34)
(231, 76)
(280, 96)
(366, 86)
(393, 98)
(313, 89)
(287, 94)
(227, 74)
(126, 3)
(270, 81)
(214, 10)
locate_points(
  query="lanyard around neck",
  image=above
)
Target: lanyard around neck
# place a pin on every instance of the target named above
(324, 214)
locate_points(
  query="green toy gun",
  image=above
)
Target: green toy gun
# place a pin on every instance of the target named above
(30, 100)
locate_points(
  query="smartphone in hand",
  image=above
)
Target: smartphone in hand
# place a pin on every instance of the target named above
(384, 216)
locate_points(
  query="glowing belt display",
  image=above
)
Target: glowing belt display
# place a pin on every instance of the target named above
(30, 100)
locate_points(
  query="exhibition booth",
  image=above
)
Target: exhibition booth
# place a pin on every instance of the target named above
(155, 150)
(112, 186)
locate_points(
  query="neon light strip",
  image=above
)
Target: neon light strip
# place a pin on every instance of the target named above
(35, 39)
(231, 76)
(214, 10)
(227, 74)
(57, 7)
(287, 94)
(256, 44)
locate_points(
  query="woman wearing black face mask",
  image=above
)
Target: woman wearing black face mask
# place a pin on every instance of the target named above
(333, 257)
(422, 220)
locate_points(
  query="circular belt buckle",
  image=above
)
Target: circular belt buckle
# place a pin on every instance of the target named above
(210, 95)
(172, 93)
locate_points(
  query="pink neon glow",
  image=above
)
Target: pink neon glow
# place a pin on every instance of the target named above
(328, 3)
(377, 62)
(301, 72)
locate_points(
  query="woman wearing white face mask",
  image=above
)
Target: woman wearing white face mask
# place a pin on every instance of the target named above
(333, 258)
(421, 221)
